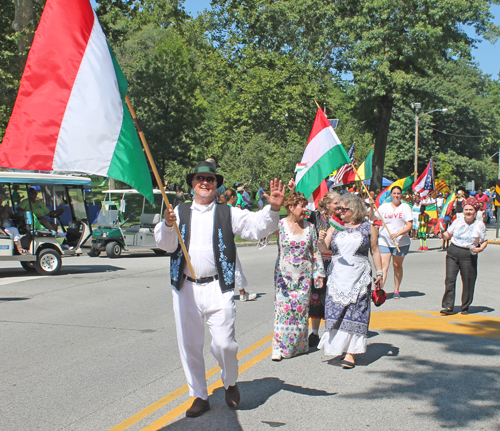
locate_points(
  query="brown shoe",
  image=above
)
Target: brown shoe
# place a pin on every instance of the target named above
(232, 396)
(198, 407)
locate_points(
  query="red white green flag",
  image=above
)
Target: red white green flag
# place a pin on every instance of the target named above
(336, 223)
(324, 154)
(70, 113)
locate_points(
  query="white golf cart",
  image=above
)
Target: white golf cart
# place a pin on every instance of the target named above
(45, 247)
(111, 234)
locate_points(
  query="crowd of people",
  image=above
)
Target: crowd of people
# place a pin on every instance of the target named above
(322, 271)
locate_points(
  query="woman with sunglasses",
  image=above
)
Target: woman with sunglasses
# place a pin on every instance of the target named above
(398, 218)
(347, 305)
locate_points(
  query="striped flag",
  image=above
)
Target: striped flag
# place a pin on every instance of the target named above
(70, 114)
(365, 169)
(446, 210)
(440, 186)
(345, 174)
(425, 181)
(336, 223)
(324, 153)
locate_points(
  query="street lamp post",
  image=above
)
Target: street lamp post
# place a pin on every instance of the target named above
(417, 107)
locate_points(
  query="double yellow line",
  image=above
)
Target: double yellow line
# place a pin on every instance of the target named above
(172, 414)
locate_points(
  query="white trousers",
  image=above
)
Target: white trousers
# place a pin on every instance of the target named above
(192, 305)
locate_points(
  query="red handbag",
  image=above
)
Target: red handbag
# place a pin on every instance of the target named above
(378, 296)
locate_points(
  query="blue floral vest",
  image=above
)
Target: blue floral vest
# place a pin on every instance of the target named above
(223, 243)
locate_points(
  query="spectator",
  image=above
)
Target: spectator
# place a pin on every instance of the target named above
(246, 197)
(260, 196)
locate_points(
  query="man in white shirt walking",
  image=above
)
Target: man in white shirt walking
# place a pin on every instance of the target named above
(208, 230)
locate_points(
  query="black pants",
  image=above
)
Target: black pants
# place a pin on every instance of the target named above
(460, 259)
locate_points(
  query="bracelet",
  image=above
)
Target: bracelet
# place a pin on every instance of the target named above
(380, 273)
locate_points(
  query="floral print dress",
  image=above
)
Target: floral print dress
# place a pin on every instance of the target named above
(299, 262)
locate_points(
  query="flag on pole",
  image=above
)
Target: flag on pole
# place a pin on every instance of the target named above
(425, 181)
(324, 153)
(446, 210)
(345, 174)
(440, 186)
(365, 169)
(70, 114)
(385, 195)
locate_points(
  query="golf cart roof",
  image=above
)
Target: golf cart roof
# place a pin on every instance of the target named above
(38, 179)
(131, 191)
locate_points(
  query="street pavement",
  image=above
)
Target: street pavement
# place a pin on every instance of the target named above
(94, 348)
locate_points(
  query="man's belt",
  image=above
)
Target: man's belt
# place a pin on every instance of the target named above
(203, 280)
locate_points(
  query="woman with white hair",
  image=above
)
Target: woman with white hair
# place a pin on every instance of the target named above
(348, 295)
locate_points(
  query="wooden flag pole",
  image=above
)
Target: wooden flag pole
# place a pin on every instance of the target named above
(158, 180)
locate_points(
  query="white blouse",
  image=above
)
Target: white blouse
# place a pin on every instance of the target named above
(467, 235)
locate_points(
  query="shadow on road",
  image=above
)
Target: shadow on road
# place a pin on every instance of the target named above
(374, 352)
(253, 394)
(460, 395)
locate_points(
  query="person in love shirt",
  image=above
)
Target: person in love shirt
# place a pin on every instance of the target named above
(398, 218)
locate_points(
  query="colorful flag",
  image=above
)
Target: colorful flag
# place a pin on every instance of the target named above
(365, 169)
(446, 210)
(70, 113)
(440, 186)
(324, 153)
(385, 195)
(431, 210)
(345, 174)
(425, 181)
(336, 223)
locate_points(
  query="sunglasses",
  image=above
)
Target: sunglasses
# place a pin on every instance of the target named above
(343, 209)
(202, 178)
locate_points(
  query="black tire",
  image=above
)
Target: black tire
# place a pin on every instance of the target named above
(28, 266)
(159, 252)
(94, 253)
(49, 262)
(113, 249)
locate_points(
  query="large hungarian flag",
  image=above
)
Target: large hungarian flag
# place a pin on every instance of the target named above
(324, 153)
(70, 113)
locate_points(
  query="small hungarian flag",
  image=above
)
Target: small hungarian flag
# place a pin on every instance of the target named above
(70, 114)
(336, 223)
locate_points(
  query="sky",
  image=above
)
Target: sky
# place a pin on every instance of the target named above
(486, 54)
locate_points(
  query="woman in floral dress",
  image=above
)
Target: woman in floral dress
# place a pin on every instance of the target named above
(299, 263)
(347, 306)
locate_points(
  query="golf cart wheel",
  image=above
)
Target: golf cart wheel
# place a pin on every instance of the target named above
(49, 262)
(159, 252)
(94, 252)
(28, 266)
(113, 249)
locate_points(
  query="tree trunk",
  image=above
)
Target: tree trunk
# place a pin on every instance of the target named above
(384, 120)
(24, 21)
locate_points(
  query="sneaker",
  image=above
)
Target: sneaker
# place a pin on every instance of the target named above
(421, 248)
(313, 339)
(249, 296)
(396, 295)
(426, 249)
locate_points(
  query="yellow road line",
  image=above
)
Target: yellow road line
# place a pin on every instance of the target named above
(183, 389)
(174, 413)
